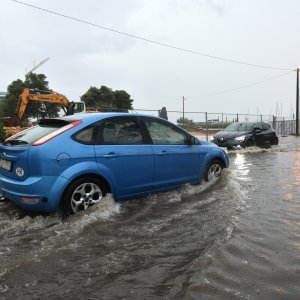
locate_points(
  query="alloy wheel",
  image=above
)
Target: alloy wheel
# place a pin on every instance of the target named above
(214, 171)
(85, 195)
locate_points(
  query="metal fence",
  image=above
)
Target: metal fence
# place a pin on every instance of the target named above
(284, 127)
(209, 122)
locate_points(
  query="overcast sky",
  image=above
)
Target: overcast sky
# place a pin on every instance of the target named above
(259, 32)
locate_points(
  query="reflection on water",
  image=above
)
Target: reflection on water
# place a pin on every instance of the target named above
(296, 167)
(235, 238)
(242, 167)
(261, 260)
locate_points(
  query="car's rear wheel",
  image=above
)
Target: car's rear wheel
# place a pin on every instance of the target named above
(266, 145)
(274, 140)
(81, 194)
(213, 170)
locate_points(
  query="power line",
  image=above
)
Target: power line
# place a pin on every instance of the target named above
(151, 41)
(241, 87)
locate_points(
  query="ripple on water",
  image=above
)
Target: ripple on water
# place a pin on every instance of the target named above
(261, 259)
(31, 238)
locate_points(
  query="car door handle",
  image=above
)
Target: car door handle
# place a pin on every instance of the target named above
(110, 155)
(164, 152)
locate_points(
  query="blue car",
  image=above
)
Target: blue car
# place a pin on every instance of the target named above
(70, 163)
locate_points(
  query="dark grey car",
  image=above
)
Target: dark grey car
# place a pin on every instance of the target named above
(241, 135)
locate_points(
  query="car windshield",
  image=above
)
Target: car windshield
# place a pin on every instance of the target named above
(33, 134)
(240, 127)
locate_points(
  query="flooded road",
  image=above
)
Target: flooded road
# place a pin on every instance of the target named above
(236, 238)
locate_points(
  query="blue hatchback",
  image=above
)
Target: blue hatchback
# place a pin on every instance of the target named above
(70, 163)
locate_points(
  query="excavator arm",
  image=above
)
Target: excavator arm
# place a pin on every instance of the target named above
(44, 96)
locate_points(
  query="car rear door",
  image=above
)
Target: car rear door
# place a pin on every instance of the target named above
(176, 162)
(122, 153)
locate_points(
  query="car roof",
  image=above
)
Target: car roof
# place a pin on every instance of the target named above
(247, 122)
(100, 116)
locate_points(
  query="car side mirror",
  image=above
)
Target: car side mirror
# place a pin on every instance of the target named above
(192, 140)
(257, 130)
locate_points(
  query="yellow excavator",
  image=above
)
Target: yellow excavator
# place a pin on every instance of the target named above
(51, 97)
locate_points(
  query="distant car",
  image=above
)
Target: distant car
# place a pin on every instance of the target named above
(70, 163)
(242, 135)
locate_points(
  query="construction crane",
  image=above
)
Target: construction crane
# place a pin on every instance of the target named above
(37, 66)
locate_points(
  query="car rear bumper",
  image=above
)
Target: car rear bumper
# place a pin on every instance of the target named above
(40, 194)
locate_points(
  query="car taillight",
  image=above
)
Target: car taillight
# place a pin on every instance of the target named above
(55, 133)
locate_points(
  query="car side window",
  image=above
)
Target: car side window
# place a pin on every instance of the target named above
(85, 136)
(164, 134)
(109, 133)
(258, 126)
(121, 131)
(266, 126)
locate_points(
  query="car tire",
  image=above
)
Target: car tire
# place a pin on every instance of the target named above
(275, 141)
(82, 193)
(213, 170)
(248, 143)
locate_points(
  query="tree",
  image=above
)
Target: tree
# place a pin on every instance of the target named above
(185, 122)
(107, 96)
(163, 113)
(33, 81)
(98, 98)
(105, 99)
(122, 101)
(2, 133)
(2, 113)
(11, 99)
(92, 97)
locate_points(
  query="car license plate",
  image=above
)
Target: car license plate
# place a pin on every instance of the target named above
(5, 164)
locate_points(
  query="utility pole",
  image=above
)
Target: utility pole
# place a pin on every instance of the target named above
(297, 104)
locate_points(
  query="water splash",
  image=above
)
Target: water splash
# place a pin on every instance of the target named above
(43, 235)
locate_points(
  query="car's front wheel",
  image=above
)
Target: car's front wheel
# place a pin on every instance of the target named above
(248, 143)
(213, 170)
(81, 194)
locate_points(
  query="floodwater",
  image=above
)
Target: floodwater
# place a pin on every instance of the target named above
(236, 238)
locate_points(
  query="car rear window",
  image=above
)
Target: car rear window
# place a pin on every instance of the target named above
(33, 134)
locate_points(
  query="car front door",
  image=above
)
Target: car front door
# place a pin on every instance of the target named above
(260, 134)
(122, 153)
(176, 162)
